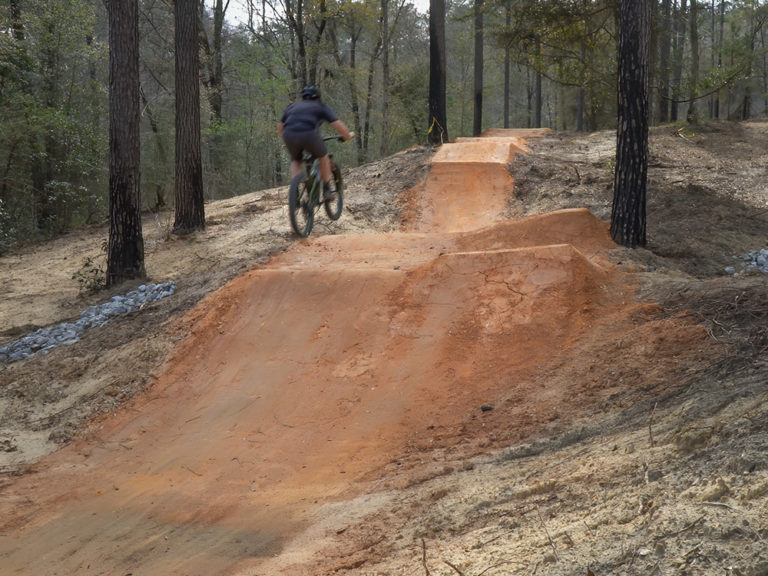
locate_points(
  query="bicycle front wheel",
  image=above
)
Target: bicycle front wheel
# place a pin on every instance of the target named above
(300, 207)
(333, 207)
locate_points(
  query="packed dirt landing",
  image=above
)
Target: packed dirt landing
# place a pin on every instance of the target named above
(303, 381)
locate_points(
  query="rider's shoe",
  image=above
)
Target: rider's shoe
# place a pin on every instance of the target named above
(329, 192)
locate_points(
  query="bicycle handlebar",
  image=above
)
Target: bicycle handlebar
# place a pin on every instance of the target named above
(338, 138)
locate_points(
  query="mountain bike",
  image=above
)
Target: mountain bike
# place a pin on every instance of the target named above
(305, 195)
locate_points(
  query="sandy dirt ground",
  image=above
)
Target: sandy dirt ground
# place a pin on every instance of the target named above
(463, 375)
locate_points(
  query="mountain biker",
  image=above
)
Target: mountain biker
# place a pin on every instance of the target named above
(299, 128)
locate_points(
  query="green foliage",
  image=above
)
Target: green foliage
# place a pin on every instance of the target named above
(91, 277)
(52, 120)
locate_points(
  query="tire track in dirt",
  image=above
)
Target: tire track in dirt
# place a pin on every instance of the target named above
(303, 379)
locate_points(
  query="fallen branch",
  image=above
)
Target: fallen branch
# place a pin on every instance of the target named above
(684, 529)
(551, 542)
(721, 504)
(424, 556)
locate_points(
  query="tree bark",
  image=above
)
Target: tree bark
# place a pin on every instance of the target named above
(190, 211)
(720, 54)
(438, 126)
(477, 123)
(628, 217)
(538, 96)
(125, 251)
(665, 51)
(677, 66)
(691, 114)
(582, 92)
(384, 142)
(507, 63)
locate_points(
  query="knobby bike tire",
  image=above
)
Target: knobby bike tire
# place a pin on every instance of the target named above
(300, 208)
(334, 207)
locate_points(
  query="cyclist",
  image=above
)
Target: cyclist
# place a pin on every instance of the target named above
(299, 128)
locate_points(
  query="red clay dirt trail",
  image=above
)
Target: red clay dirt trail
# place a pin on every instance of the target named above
(302, 379)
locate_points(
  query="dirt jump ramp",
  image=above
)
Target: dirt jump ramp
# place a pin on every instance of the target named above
(303, 380)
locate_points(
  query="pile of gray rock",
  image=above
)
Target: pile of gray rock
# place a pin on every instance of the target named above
(754, 260)
(44, 340)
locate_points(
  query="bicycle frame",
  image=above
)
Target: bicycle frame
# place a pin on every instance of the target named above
(312, 170)
(305, 194)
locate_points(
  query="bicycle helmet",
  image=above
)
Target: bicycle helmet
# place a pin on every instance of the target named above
(310, 93)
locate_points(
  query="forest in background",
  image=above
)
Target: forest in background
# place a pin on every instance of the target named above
(548, 63)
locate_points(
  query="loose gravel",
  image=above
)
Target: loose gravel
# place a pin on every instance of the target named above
(754, 260)
(44, 340)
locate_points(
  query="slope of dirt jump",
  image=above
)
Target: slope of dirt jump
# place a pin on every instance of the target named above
(322, 393)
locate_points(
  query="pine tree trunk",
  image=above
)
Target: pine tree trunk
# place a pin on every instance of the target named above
(384, 142)
(477, 123)
(125, 252)
(677, 67)
(538, 97)
(720, 54)
(628, 218)
(190, 211)
(438, 127)
(507, 63)
(665, 51)
(691, 116)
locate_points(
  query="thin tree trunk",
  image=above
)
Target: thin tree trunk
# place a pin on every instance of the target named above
(507, 63)
(477, 123)
(628, 217)
(746, 108)
(691, 116)
(369, 97)
(582, 93)
(539, 100)
(125, 251)
(665, 50)
(677, 67)
(383, 143)
(720, 53)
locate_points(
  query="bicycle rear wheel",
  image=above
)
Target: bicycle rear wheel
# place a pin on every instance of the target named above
(333, 207)
(300, 208)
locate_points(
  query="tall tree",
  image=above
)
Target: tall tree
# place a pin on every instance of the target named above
(438, 125)
(385, 73)
(677, 62)
(125, 252)
(665, 51)
(190, 211)
(691, 114)
(477, 123)
(716, 112)
(628, 218)
(507, 61)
